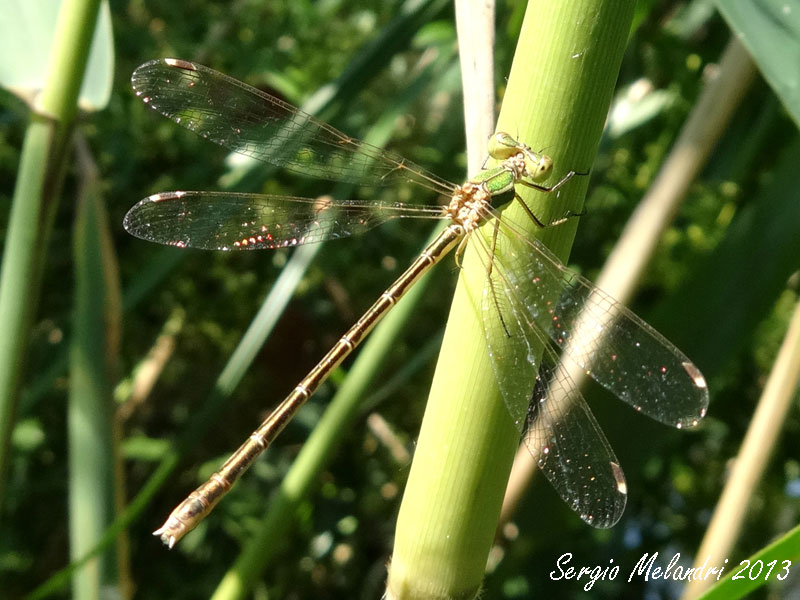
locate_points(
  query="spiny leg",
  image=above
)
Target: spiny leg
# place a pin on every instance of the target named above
(566, 216)
(569, 214)
(556, 185)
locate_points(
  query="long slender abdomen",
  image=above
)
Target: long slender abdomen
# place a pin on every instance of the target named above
(188, 514)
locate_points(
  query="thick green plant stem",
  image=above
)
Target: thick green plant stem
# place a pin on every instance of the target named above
(35, 198)
(559, 91)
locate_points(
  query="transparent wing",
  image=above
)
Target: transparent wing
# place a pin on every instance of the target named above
(228, 221)
(251, 122)
(558, 428)
(601, 337)
(572, 450)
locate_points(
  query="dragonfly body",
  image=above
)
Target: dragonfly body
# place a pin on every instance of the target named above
(468, 210)
(469, 207)
(529, 295)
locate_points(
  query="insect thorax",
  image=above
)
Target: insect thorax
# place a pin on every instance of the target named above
(470, 204)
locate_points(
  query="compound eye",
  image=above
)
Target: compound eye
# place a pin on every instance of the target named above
(503, 146)
(539, 166)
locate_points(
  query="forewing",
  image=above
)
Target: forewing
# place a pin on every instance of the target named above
(228, 221)
(256, 124)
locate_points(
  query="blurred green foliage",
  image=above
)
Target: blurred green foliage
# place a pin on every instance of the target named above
(343, 536)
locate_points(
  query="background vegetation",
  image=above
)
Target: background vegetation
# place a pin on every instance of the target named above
(698, 291)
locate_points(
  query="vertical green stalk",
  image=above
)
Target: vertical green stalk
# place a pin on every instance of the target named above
(35, 199)
(93, 353)
(559, 91)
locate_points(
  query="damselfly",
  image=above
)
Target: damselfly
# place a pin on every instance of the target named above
(532, 306)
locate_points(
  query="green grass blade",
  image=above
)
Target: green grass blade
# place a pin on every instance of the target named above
(93, 353)
(782, 551)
